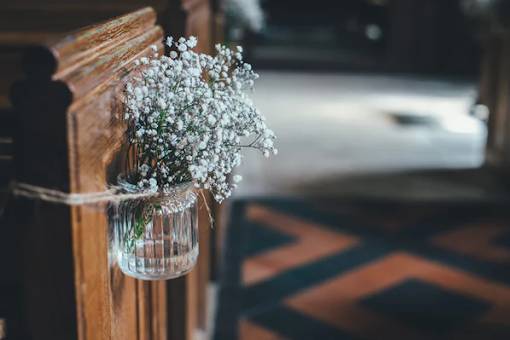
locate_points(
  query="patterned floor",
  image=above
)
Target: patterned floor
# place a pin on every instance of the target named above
(365, 270)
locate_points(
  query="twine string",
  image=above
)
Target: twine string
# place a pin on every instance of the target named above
(178, 200)
(113, 194)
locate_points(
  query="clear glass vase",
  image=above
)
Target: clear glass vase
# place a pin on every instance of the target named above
(156, 238)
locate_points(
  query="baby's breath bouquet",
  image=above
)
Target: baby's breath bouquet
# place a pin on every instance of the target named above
(189, 117)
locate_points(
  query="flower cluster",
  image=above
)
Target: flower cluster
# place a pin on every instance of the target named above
(189, 118)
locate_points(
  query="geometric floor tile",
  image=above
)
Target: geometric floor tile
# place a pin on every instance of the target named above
(294, 325)
(341, 300)
(304, 270)
(312, 241)
(250, 331)
(425, 306)
(262, 239)
(480, 241)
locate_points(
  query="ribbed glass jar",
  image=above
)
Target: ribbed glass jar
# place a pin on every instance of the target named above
(156, 238)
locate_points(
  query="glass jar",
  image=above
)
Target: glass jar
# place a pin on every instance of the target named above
(156, 237)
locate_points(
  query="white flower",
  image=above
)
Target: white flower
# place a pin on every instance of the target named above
(211, 120)
(162, 103)
(140, 133)
(153, 183)
(192, 42)
(138, 93)
(190, 116)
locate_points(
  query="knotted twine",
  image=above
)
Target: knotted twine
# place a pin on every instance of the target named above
(176, 200)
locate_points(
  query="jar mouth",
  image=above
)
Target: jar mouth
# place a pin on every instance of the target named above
(129, 187)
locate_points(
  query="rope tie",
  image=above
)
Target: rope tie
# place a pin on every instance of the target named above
(176, 199)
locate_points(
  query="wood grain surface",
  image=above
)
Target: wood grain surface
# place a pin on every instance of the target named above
(70, 138)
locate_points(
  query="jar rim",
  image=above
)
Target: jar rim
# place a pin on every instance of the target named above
(123, 182)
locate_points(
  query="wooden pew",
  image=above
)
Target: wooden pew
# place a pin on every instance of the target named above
(24, 23)
(69, 137)
(67, 107)
(27, 22)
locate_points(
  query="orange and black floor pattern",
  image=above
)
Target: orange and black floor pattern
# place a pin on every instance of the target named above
(365, 270)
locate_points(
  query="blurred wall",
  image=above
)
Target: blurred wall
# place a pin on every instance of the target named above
(431, 36)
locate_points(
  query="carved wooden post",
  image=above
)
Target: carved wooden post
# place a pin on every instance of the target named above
(494, 89)
(492, 20)
(187, 296)
(70, 134)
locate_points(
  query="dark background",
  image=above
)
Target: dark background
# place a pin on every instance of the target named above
(413, 36)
